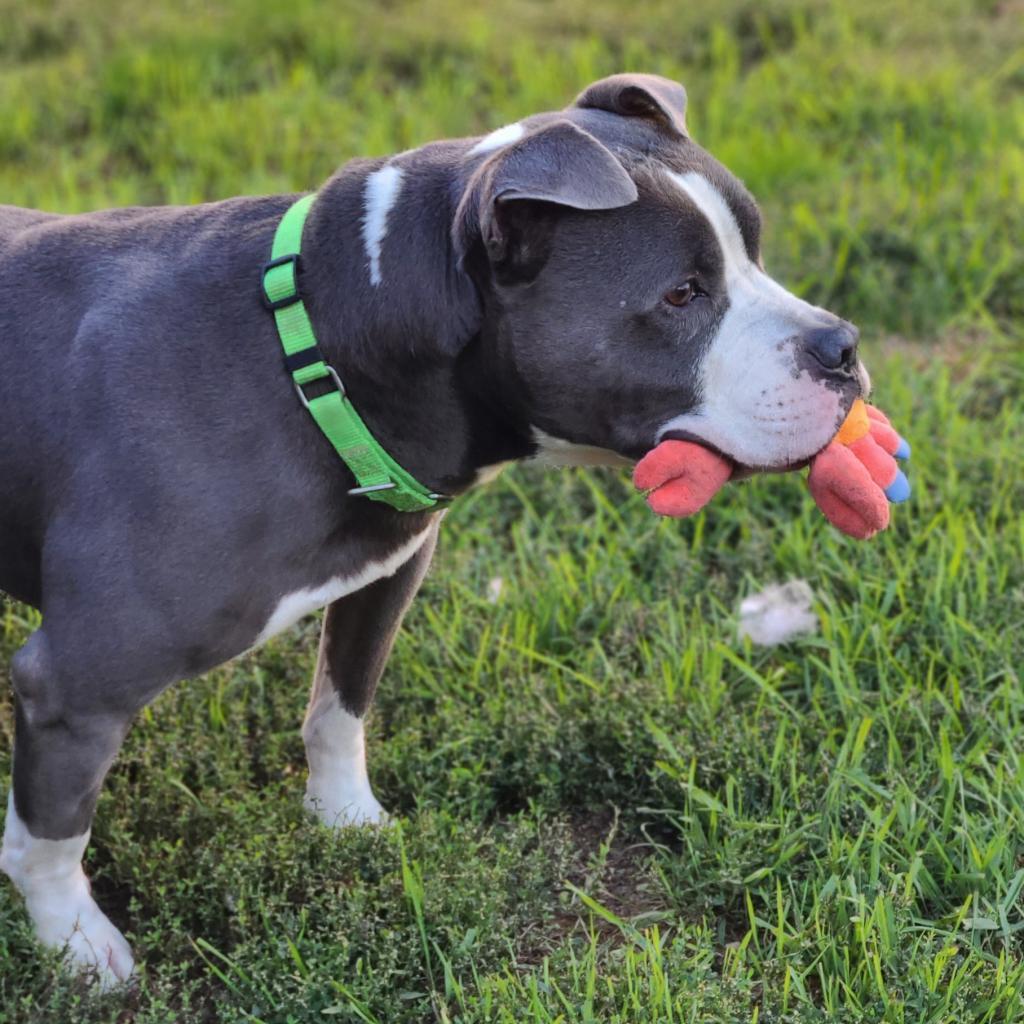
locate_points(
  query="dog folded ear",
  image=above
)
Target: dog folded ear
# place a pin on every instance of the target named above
(650, 96)
(514, 197)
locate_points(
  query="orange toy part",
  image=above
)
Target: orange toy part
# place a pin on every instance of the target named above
(856, 424)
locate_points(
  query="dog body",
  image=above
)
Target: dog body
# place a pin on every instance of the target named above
(577, 286)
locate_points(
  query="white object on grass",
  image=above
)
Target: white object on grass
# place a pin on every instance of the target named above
(778, 614)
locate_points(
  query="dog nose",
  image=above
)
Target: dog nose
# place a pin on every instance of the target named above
(834, 347)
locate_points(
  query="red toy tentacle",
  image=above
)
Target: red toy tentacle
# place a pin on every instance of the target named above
(843, 489)
(878, 462)
(877, 415)
(665, 462)
(686, 496)
(681, 476)
(885, 436)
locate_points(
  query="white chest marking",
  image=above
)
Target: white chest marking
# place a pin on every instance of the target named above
(757, 405)
(380, 192)
(557, 452)
(294, 606)
(488, 474)
(503, 136)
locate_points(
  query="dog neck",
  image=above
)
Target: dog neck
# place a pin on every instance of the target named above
(402, 323)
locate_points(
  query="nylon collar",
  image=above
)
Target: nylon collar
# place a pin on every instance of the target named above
(378, 476)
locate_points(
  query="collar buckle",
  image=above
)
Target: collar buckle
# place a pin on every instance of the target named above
(332, 373)
(372, 488)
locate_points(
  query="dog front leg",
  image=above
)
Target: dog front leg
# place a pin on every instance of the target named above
(61, 754)
(356, 639)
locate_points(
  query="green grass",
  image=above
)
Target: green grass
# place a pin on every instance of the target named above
(610, 810)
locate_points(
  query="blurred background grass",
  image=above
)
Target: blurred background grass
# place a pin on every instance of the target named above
(612, 811)
(885, 144)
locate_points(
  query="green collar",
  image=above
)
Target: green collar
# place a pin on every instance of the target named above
(378, 476)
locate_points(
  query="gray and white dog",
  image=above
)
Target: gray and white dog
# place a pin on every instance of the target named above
(575, 287)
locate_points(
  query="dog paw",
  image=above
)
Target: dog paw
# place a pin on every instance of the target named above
(48, 874)
(97, 947)
(343, 810)
(91, 943)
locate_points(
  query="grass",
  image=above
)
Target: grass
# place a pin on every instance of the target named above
(610, 810)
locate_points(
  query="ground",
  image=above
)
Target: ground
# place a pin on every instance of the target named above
(608, 808)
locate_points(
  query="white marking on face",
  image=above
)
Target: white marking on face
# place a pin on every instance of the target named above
(338, 789)
(557, 452)
(294, 606)
(380, 192)
(503, 136)
(865, 380)
(757, 405)
(48, 874)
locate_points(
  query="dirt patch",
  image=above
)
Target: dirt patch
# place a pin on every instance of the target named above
(610, 868)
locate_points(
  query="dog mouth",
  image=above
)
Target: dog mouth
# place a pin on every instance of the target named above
(740, 470)
(744, 470)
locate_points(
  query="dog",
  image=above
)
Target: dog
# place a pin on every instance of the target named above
(573, 288)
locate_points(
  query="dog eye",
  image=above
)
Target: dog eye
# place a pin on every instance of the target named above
(682, 294)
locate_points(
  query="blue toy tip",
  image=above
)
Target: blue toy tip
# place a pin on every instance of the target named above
(899, 489)
(903, 452)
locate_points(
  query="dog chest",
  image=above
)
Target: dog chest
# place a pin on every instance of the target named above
(296, 604)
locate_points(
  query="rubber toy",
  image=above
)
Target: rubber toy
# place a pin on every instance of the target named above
(852, 480)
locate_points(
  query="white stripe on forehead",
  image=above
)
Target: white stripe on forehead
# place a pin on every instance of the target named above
(742, 275)
(380, 192)
(712, 204)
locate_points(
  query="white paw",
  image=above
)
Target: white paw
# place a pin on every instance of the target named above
(48, 873)
(97, 946)
(337, 810)
(77, 925)
(338, 789)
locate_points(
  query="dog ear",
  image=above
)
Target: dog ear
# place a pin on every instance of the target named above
(650, 96)
(513, 200)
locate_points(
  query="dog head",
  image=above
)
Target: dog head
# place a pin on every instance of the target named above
(624, 296)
